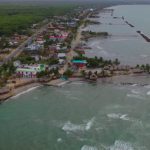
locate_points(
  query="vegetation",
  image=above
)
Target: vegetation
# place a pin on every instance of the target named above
(97, 62)
(91, 22)
(26, 59)
(50, 61)
(90, 34)
(42, 74)
(4, 43)
(16, 18)
(6, 71)
(68, 73)
(145, 68)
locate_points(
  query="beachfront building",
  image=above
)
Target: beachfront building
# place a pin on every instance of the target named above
(30, 71)
(79, 63)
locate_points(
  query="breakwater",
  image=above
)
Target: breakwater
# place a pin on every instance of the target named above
(144, 36)
(147, 39)
(129, 24)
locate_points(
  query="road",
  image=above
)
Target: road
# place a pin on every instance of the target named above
(21, 47)
(72, 53)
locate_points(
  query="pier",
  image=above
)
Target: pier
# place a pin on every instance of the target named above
(129, 24)
(147, 39)
(144, 36)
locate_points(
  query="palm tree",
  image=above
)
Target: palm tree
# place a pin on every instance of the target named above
(116, 62)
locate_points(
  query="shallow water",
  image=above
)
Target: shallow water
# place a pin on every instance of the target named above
(86, 116)
(125, 43)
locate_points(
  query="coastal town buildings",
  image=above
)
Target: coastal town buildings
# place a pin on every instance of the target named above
(79, 63)
(30, 71)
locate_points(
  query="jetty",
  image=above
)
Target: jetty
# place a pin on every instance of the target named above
(129, 24)
(144, 36)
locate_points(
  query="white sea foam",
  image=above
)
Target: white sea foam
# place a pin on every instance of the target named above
(118, 116)
(126, 118)
(99, 47)
(121, 145)
(87, 147)
(135, 91)
(24, 92)
(134, 85)
(135, 96)
(89, 124)
(59, 140)
(70, 127)
(113, 115)
(63, 83)
(148, 93)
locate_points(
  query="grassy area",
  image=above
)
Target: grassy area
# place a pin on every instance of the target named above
(15, 18)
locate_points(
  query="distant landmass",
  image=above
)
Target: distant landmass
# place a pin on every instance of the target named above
(82, 1)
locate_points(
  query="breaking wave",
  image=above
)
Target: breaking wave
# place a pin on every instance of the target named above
(135, 96)
(24, 92)
(118, 116)
(121, 145)
(148, 93)
(70, 127)
(87, 147)
(135, 91)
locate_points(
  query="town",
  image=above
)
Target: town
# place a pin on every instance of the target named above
(54, 52)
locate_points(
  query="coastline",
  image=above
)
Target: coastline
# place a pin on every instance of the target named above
(59, 83)
(17, 91)
(25, 89)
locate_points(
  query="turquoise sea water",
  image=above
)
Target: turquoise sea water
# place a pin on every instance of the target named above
(107, 115)
(79, 116)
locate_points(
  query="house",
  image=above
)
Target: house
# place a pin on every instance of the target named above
(79, 63)
(40, 40)
(61, 61)
(61, 55)
(33, 48)
(30, 71)
(72, 24)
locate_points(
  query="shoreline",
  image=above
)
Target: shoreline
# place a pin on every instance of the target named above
(30, 87)
(25, 89)
(20, 91)
(17, 91)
